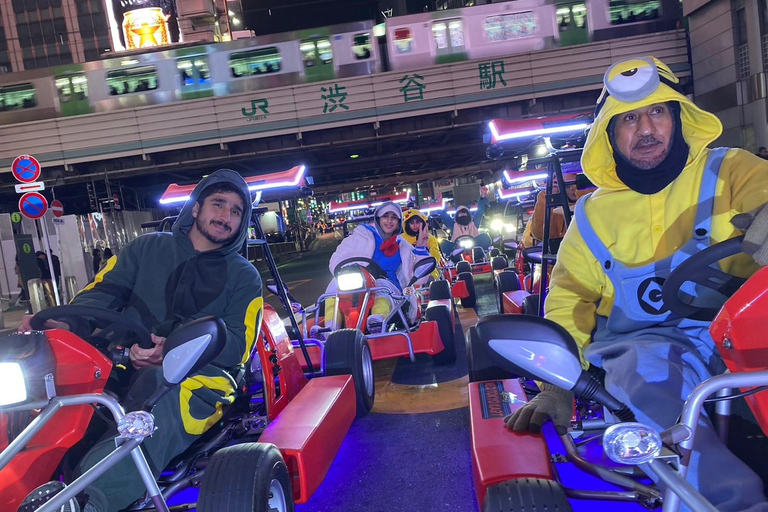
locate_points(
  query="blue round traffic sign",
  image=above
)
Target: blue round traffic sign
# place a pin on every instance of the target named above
(33, 205)
(25, 168)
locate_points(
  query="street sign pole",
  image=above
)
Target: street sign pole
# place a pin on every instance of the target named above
(50, 261)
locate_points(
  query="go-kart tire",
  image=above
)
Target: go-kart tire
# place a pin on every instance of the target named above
(439, 290)
(480, 366)
(445, 327)
(463, 266)
(531, 305)
(249, 477)
(470, 301)
(506, 281)
(347, 352)
(526, 495)
(499, 263)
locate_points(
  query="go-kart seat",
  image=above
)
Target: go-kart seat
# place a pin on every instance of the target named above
(532, 255)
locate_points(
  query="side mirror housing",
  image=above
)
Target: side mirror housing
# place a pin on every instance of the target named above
(424, 267)
(192, 346)
(532, 347)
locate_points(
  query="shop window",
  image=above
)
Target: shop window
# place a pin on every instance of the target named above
(627, 11)
(361, 46)
(403, 40)
(17, 97)
(255, 62)
(193, 70)
(127, 81)
(510, 26)
(71, 87)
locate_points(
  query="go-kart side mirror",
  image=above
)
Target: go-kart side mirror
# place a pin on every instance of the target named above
(192, 346)
(510, 244)
(538, 348)
(497, 239)
(532, 347)
(186, 350)
(424, 267)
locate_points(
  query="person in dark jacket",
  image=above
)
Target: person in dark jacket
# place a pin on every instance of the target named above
(162, 281)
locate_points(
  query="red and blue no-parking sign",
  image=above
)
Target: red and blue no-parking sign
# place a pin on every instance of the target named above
(33, 205)
(25, 168)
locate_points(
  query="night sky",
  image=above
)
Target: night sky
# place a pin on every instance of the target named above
(273, 16)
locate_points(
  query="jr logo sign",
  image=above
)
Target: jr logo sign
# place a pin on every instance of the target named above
(258, 110)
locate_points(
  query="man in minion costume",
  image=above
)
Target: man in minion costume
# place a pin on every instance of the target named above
(416, 224)
(662, 196)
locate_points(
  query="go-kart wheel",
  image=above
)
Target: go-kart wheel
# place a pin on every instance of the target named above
(499, 263)
(347, 352)
(526, 495)
(470, 301)
(531, 305)
(479, 364)
(506, 281)
(249, 477)
(463, 266)
(439, 290)
(444, 319)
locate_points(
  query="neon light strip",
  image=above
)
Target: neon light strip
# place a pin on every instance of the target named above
(346, 207)
(453, 212)
(535, 133)
(522, 179)
(431, 209)
(253, 188)
(502, 195)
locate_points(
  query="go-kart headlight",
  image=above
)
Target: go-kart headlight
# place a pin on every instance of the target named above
(631, 443)
(510, 228)
(467, 244)
(13, 389)
(351, 280)
(497, 224)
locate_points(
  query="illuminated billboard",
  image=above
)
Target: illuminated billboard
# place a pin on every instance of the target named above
(138, 24)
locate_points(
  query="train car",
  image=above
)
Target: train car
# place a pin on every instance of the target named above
(135, 79)
(501, 29)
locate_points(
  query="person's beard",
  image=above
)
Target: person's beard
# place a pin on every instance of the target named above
(648, 163)
(203, 229)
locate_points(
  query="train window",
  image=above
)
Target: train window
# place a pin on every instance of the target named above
(456, 30)
(71, 87)
(316, 52)
(17, 97)
(193, 70)
(510, 26)
(324, 51)
(571, 16)
(126, 81)
(361, 46)
(626, 11)
(403, 40)
(440, 33)
(255, 62)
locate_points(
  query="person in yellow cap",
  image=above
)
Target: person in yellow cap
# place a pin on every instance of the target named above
(662, 196)
(416, 227)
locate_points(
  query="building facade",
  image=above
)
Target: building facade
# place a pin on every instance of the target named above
(729, 53)
(42, 33)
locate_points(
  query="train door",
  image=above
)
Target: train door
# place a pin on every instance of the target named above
(572, 23)
(449, 40)
(317, 56)
(72, 90)
(194, 77)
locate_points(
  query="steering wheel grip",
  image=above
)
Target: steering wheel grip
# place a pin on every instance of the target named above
(696, 269)
(102, 316)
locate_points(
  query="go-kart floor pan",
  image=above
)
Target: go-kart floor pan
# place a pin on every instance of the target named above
(310, 430)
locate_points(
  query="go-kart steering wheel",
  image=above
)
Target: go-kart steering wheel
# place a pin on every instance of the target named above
(112, 321)
(373, 267)
(697, 270)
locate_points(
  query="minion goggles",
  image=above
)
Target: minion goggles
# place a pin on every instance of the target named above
(635, 79)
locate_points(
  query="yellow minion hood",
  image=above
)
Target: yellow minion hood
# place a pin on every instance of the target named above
(634, 83)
